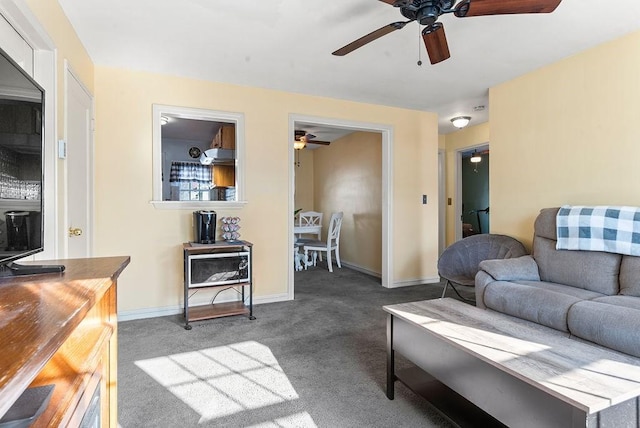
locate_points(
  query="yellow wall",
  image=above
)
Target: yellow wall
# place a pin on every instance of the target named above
(304, 188)
(454, 142)
(566, 134)
(348, 178)
(128, 224)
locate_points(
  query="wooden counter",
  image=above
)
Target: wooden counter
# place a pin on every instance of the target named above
(61, 329)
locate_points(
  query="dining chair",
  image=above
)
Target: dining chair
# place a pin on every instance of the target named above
(309, 218)
(332, 243)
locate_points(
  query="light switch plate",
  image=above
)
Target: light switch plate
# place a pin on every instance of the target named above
(62, 149)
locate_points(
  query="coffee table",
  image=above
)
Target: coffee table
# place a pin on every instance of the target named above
(521, 373)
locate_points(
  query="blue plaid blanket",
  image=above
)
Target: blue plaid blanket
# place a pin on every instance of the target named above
(600, 228)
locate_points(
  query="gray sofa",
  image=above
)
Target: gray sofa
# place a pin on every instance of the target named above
(591, 295)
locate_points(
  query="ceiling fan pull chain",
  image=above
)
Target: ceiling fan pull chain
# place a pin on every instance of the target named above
(419, 46)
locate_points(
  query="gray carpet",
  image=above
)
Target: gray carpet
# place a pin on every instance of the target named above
(317, 361)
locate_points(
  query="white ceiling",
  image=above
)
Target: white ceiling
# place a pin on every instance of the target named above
(287, 45)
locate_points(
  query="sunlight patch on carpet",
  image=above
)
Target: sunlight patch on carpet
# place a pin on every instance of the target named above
(225, 380)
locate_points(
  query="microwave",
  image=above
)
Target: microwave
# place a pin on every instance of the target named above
(206, 270)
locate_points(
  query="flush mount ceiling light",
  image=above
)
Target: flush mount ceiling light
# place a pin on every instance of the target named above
(460, 121)
(164, 120)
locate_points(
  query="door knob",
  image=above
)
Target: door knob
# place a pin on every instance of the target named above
(75, 231)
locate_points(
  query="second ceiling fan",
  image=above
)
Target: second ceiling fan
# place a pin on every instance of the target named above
(303, 137)
(427, 12)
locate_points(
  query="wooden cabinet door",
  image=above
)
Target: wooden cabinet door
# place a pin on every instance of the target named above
(225, 138)
(224, 175)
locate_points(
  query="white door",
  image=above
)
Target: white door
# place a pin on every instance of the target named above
(79, 144)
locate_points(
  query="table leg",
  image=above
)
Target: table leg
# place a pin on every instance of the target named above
(391, 376)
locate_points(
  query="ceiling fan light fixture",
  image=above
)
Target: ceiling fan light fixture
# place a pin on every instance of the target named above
(461, 121)
(164, 120)
(475, 158)
(299, 144)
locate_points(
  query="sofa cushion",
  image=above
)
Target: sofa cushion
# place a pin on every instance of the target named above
(610, 321)
(630, 276)
(591, 270)
(540, 302)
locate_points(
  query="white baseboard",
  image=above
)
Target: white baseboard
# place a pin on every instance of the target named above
(361, 269)
(410, 282)
(138, 314)
(272, 298)
(397, 284)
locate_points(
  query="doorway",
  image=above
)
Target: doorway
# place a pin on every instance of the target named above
(473, 191)
(296, 121)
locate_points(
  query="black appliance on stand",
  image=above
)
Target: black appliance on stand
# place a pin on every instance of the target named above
(204, 227)
(18, 230)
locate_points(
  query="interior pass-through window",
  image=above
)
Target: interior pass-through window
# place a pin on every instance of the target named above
(198, 157)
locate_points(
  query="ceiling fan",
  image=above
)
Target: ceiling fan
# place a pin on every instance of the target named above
(427, 12)
(303, 137)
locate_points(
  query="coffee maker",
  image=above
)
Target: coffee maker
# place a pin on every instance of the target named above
(204, 227)
(18, 230)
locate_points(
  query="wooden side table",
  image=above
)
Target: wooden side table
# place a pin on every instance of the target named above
(227, 264)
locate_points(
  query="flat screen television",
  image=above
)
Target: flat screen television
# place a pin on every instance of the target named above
(21, 169)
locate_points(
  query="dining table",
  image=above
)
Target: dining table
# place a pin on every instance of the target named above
(312, 230)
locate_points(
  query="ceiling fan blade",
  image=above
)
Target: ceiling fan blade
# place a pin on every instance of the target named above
(435, 41)
(468, 8)
(324, 143)
(370, 38)
(397, 3)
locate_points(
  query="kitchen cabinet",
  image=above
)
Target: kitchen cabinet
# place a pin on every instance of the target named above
(224, 175)
(225, 138)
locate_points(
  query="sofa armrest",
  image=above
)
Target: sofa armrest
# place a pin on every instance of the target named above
(522, 268)
(482, 280)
